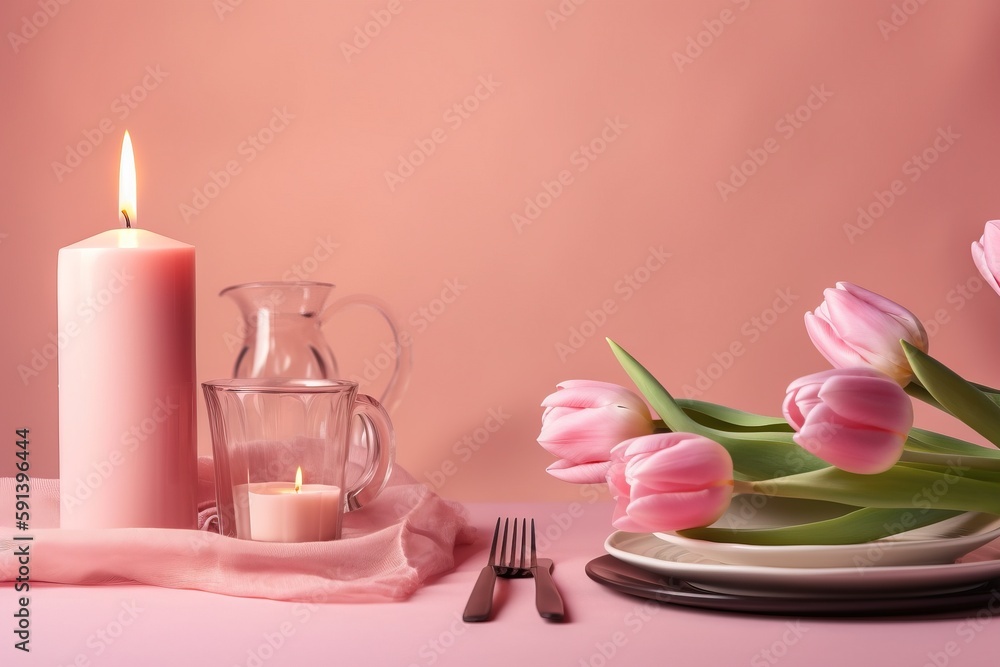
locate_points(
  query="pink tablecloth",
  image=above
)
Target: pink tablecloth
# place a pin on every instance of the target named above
(142, 625)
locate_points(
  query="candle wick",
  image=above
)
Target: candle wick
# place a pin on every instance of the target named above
(128, 223)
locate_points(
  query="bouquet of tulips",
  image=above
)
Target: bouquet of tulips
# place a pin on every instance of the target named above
(847, 435)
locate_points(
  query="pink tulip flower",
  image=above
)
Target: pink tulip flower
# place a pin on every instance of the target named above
(669, 481)
(986, 254)
(855, 327)
(854, 418)
(583, 421)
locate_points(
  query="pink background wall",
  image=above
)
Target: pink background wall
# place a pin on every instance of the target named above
(672, 98)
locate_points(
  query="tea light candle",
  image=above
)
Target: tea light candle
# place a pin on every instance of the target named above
(293, 512)
(128, 450)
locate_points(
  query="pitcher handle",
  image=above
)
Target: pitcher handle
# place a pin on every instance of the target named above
(377, 432)
(396, 387)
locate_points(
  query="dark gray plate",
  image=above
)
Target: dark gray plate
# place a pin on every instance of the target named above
(626, 578)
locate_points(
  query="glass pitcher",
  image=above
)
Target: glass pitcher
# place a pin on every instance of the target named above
(284, 336)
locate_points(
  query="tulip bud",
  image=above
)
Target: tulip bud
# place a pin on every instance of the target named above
(986, 254)
(583, 421)
(669, 481)
(854, 327)
(854, 418)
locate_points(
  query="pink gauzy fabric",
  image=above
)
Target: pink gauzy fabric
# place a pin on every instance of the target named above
(388, 549)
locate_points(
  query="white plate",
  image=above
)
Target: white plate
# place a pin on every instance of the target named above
(651, 553)
(942, 542)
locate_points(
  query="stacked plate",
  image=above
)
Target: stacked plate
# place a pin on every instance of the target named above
(951, 565)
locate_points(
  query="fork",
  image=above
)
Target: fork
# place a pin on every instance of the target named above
(480, 602)
(505, 567)
(547, 599)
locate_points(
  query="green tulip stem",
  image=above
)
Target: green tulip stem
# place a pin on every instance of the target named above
(928, 441)
(899, 487)
(917, 391)
(951, 460)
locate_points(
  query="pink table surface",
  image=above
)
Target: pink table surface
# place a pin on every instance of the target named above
(141, 625)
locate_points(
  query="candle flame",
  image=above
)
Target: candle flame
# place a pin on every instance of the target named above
(126, 183)
(298, 479)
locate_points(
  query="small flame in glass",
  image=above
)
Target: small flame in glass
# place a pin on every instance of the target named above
(298, 479)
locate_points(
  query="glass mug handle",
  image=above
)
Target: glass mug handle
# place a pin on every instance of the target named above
(396, 386)
(377, 433)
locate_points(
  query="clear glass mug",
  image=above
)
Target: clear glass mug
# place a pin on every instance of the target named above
(285, 469)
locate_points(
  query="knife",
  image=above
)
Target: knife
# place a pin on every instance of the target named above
(481, 601)
(547, 599)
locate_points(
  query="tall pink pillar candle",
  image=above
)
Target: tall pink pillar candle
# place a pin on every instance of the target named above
(127, 431)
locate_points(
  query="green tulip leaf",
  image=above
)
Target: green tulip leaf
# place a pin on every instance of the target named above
(928, 441)
(863, 525)
(726, 418)
(658, 397)
(758, 460)
(986, 390)
(955, 394)
(756, 455)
